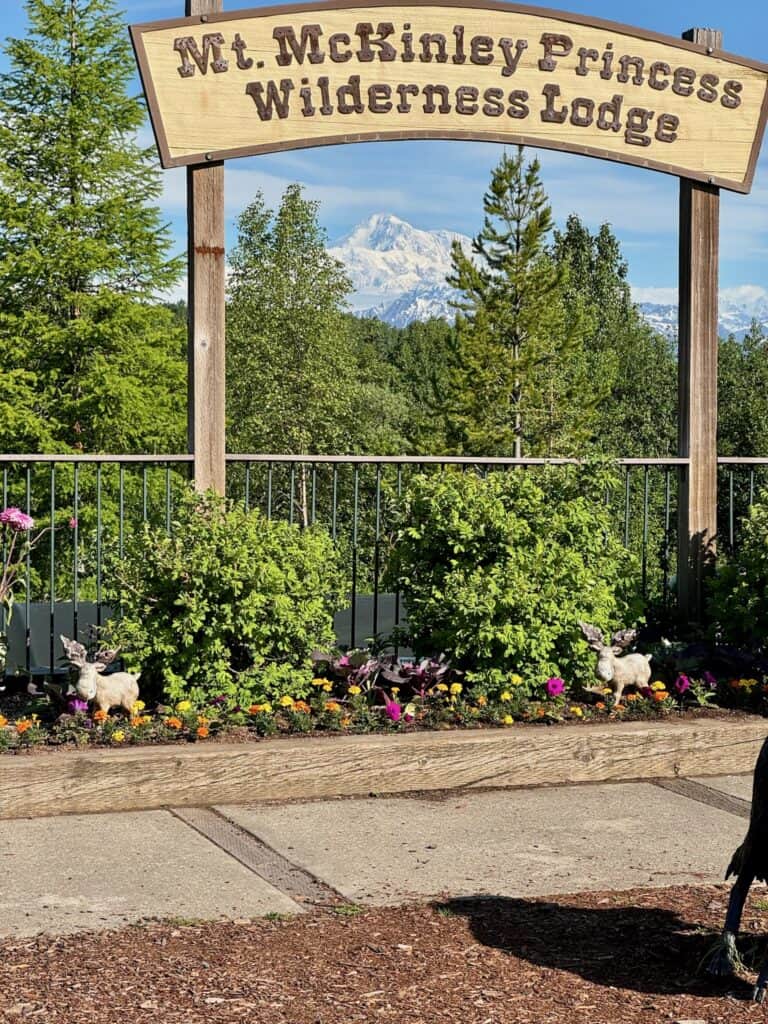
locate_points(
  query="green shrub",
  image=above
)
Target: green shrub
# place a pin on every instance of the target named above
(496, 572)
(738, 598)
(228, 604)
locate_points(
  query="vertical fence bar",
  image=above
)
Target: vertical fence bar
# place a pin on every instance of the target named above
(626, 506)
(730, 510)
(377, 553)
(353, 621)
(75, 550)
(167, 498)
(293, 484)
(666, 547)
(313, 518)
(751, 487)
(121, 511)
(4, 551)
(144, 492)
(98, 545)
(27, 594)
(52, 583)
(247, 487)
(334, 500)
(645, 534)
(269, 491)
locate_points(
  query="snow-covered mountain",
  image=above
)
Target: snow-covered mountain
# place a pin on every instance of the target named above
(398, 272)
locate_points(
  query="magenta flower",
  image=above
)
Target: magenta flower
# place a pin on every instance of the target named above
(77, 705)
(710, 680)
(682, 683)
(393, 711)
(73, 523)
(343, 661)
(555, 686)
(16, 519)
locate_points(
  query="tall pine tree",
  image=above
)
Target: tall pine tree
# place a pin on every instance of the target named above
(94, 359)
(520, 384)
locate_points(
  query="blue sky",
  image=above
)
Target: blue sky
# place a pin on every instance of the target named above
(441, 184)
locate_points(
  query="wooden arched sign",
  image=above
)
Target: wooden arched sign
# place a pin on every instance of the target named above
(257, 81)
(222, 85)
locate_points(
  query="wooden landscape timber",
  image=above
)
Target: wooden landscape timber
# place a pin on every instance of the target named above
(258, 81)
(83, 782)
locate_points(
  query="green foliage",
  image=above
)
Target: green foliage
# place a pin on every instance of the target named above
(738, 604)
(497, 571)
(742, 427)
(520, 379)
(95, 362)
(227, 604)
(297, 379)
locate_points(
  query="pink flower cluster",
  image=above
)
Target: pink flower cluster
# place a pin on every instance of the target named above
(16, 519)
(555, 686)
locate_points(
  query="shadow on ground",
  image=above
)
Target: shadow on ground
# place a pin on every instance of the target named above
(645, 949)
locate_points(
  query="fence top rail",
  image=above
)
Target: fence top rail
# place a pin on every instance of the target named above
(739, 460)
(392, 460)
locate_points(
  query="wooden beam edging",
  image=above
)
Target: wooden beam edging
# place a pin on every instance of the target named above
(144, 778)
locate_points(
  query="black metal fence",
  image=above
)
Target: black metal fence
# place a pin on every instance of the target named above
(88, 503)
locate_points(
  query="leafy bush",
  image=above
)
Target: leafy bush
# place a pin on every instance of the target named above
(496, 572)
(227, 604)
(738, 604)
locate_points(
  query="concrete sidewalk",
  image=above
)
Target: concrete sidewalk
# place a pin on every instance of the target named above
(74, 873)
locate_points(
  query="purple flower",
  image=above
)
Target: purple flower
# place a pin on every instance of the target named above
(710, 680)
(646, 691)
(76, 706)
(73, 523)
(221, 699)
(682, 683)
(555, 686)
(393, 711)
(17, 519)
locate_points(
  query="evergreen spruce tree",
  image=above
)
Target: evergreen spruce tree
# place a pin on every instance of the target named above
(520, 380)
(95, 361)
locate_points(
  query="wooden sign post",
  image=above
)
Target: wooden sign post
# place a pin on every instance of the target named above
(697, 378)
(207, 294)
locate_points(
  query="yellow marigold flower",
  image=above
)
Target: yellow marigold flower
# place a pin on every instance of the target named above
(515, 679)
(146, 719)
(319, 682)
(202, 732)
(577, 711)
(184, 705)
(100, 716)
(607, 689)
(258, 709)
(456, 687)
(482, 701)
(202, 720)
(138, 705)
(508, 720)
(22, 725)
(118, 736)
(173, 722)
(286, 701)
(333, 706)
(658, 685)
(506, 695)
(3, 722)
(354, 690)
(345, 721)
(660, 695)
(442, 687)
(395, 689)
(328, 687)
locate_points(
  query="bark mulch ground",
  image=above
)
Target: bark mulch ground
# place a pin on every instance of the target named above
(590, 958)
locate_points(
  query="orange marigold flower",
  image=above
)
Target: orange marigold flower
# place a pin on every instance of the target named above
(100, 716)
(301, 705)
(202, 731)
(137, 720)
(541, 712)
(23, 725)
(345, 721)
(482, 701)
(3, 722)
(631, 697)
(600, 706)
(173, 722)
(333, 706)
(660, 695)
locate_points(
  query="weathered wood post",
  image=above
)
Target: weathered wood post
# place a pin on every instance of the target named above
(697, 378)
(207, 289)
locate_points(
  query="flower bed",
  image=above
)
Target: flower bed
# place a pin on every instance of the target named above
(351, 697)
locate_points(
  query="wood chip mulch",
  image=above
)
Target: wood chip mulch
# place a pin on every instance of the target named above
(591, 958)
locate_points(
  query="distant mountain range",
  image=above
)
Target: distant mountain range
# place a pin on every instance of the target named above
(398, 272)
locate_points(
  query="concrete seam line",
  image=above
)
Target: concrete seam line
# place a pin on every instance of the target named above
(256, 855)
(706, 795)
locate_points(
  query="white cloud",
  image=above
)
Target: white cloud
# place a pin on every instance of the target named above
(660, 296)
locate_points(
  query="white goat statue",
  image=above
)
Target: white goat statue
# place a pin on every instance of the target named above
(118, 689)
(615, 671)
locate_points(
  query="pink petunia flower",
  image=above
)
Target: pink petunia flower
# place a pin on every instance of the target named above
(682, 683)
(555, 686)
(393, 711)
(73, 523)
(16, 519)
